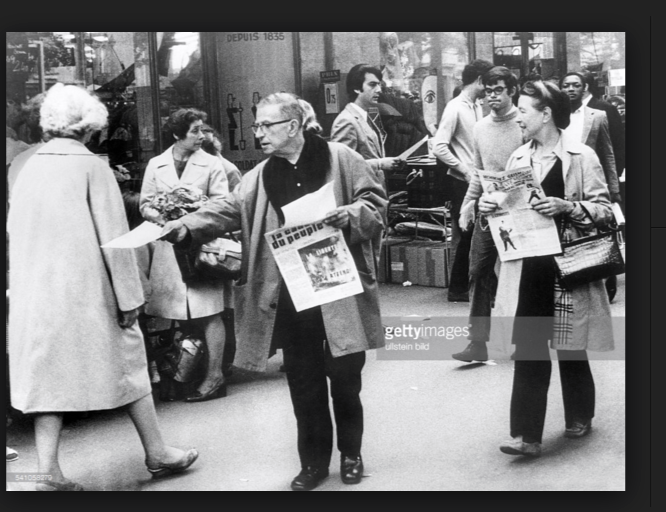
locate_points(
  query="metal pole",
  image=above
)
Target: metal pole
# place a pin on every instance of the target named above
(41, 67)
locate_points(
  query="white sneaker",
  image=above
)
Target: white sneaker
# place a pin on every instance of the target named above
(516, 446)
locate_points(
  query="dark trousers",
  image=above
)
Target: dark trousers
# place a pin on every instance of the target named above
(533, 328)
(461, 242)
(308, 362)
(482, 281)
(531, 379)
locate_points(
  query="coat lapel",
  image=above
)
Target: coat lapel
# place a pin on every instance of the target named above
(588, 121)
(165, 169)
(367, 130)
(196, 166)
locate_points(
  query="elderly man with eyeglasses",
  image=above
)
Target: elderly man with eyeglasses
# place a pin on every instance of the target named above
(318, 343)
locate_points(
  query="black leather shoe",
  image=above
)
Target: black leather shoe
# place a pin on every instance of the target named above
(578, 429)
(351, 469)
(473, 352)
(308, 478)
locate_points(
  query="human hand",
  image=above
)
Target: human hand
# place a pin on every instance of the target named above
(127, 318)
(153, 215)
(338, 218)
(391, 164)
(487, 204)
(467, 216)
(174, 231)
(552, 206)
(616, 198)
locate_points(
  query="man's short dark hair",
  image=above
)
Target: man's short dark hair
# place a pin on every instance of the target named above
(356, 77)
(474, 70)
(591, 81)
(575, 73)
(498, 73)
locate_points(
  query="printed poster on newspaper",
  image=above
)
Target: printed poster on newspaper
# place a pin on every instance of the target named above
(518, 230)
(315, 263)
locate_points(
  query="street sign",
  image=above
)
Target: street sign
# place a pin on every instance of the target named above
(329, 77)
(616, 77)
(331, 98)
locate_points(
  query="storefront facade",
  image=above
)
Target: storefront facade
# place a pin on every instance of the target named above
(144, 76)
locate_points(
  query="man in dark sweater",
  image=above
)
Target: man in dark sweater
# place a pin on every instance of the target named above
(495, 137)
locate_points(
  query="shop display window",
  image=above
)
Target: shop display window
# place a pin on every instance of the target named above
(539, 58)
(180, 74)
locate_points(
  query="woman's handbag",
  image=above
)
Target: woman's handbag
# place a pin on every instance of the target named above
(589, 258)
(183, 360)
(219, 259)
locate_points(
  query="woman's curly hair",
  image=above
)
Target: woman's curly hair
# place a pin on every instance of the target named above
(69, 111)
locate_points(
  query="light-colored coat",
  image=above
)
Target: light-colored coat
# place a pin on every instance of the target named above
(350, 129)
(66, 349)
(352, 324)
(171, 297)
(584, 183)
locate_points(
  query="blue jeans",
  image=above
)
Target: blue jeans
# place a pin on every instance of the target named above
(482, 281)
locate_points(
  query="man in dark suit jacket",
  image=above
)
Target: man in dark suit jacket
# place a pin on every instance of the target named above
(615, 124)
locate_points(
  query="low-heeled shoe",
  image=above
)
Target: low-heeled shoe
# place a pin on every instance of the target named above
(170, 468)
(578, 429)
(516, 446)
(218, 391)
(351, 469)
(308, 478)
(473, 352)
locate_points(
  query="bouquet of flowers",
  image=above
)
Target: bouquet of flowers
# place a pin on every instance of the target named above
(180, 201)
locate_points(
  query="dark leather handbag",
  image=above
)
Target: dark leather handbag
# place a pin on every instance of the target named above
(589, 258)
(219, 259)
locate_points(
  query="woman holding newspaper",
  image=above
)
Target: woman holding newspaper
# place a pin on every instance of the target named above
(74, 340)
(570, 321)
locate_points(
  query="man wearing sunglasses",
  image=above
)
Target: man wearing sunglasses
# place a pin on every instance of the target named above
(495, 137)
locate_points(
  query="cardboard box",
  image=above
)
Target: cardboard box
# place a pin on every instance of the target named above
(402, 268)
(384, 271)
(433, 265)
(422, 263)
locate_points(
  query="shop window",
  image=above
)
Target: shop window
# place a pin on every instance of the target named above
(180, 73)
(420, 71)
(603, 54)
(525, 52)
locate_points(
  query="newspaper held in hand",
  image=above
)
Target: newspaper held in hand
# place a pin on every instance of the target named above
(315, 263)
(518, 230)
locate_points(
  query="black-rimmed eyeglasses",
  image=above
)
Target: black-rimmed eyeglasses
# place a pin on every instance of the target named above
(495, 90)
(263, 126)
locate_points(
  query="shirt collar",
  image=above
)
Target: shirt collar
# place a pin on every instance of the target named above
(587, 100)
(558, 150)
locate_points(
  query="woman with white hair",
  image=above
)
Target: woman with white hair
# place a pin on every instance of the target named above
(74, 340)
